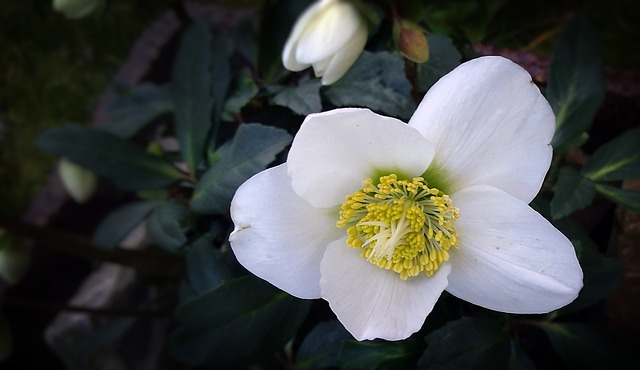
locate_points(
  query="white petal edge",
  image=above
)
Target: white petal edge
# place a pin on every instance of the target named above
(334, 151)
(490, 126)
(375, 303)
(289, 52)
(333, 26)
(278, 236)
(510, 259)
(344, 58)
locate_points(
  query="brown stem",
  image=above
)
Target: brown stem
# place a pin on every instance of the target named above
(145, 261)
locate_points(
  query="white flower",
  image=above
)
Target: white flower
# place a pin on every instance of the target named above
(365, 202)
(77, 8)
(330, 35)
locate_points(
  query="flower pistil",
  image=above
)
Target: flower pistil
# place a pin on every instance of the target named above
(400, 225)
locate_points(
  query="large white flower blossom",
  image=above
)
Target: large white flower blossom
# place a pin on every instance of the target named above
(329, 36)
(379, 217)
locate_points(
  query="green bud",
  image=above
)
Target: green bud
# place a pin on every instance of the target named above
(411, 40)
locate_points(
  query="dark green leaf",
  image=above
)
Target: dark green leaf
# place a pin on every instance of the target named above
(571, 192)
(575, 87)
(207, 266)
(519, 359)
(303, 99)
(628, 199)
(444, 57)
(583, 346)
(321, 347)
(601, 276)
(132, 111)
(241, 320)
(618, 159)
(243, 89)
(376, 81)
(380, 354)
(117, 224)
(125, 164)
(253, 147)
(467, 343)
(104, 336)
(166, 225)
(200, 79)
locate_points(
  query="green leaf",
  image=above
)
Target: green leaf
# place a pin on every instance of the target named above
(478, 343)
(628, 199)
(376, 81)
(575, 86)
(519, 360)
(166, 225)
(571, 192)
(601, 276)
(444, 57)
(138, 107)
(207, 266)
(200, 78)
(321, 347)
(303, 99)
(125, 164)
(117, 224)
(243, 89)
(253, 147)
(241, 320)
(583, 346)
(618, 159)
(380, 354)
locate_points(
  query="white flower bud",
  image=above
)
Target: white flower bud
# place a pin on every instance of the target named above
(329, 36)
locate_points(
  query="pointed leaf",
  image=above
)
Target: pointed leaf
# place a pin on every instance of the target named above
(571, 192)
(376, 81)
(243, 88)
(253, 147)
(628, 199)
(303, 99)
(575, 88)
(618, 159)
(132, 111)
(166, 225)
(125, 164)
(117, 224)
(207, 266)
(199, 78)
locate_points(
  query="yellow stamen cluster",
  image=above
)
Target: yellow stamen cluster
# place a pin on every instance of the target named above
(400, 225)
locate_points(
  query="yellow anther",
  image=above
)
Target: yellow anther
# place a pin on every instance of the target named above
(400, 225)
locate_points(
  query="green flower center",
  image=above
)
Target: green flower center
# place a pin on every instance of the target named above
(400, 225)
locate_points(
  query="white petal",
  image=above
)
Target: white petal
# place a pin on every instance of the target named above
(278, 236)
(490, 125)
(511, 259)
(344, 58)
(333, 26)
(334, 151)
(290, 48)
(375, 303)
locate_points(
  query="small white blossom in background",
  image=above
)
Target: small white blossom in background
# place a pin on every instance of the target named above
(379, 217)
(79, 182)
(329, 36)
(77, 8)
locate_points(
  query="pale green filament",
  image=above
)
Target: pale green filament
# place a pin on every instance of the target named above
(400, 225)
